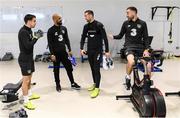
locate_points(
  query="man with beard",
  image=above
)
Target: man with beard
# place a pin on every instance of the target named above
(95, 33)
(136, 41)
(57, 41)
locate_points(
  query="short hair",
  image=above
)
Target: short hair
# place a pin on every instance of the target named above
(28, 17)
(89, 12)
(132, 8)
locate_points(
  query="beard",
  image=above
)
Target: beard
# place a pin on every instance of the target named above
(130, 18)
(88, 20)
(59, 23)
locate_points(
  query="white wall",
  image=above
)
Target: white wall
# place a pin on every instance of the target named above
(110, 13)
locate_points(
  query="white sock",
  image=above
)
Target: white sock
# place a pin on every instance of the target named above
(29, 92)
(26, 99)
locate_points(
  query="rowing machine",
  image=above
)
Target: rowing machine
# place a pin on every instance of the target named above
(148, 101)
(172, 93)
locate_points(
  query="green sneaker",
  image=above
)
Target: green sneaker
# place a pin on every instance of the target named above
(29, 105)
(91, 88)
(34, 96)
(95, 93)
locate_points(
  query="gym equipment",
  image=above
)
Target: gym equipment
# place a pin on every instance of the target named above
(51, 66)
(169, 10)
(169, 19)
(172, 93)
(156, 62)
(38, 58)
(170, 34)
(83, 59)
(8, 56)
(19, 114)
(122, 54)
(9, 92)
(177, 54)
(148, 101)
(46, 57)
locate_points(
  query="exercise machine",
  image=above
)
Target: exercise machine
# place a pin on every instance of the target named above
(19, 114)
(46, 57)
(8, 56)
(148, 101)
(9, 93)
(172, 93)
(38, 58)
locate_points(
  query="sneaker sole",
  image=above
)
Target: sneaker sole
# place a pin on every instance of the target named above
(58, 91)
(29, 108)
(91, 89)
(75, 88)
(94, 96)
(34, 98)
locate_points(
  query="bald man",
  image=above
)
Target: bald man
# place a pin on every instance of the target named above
(57, 41)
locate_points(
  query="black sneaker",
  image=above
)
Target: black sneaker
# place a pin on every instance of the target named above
(75, 86)
(58, 88)
(128, 83)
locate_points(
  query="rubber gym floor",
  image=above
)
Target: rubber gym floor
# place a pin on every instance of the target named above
(78, 104)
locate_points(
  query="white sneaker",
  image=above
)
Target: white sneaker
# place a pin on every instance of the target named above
(111, 63)
(105, 63)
